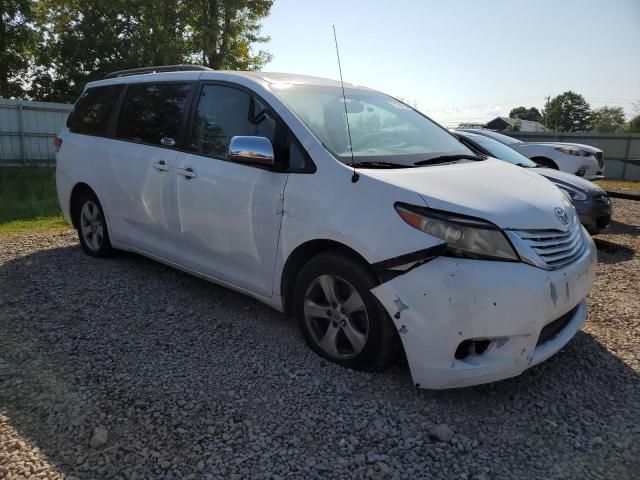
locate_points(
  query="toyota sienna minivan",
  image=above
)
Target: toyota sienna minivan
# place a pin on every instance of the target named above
(369, 223)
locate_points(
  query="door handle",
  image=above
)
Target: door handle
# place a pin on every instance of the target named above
(160, 165)
(187, 173)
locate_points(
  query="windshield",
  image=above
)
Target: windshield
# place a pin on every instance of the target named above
(500, 137)
(382, 128)
(500, 150)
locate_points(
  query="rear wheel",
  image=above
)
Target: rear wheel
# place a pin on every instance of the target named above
(340, 318)
(92, 227)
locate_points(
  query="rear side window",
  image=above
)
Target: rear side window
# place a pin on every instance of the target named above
(152, 113)
(92, 111)
(225, 112)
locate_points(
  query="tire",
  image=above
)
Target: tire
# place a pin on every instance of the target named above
(357, 333)
(546, 163)
(91, 226)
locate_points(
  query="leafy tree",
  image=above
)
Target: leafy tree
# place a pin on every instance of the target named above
(412, 102)
(524, 113)
(633, 125)
(516, 127)
(17, 42)
(225, 30)
(83, 40)
(607, 119)
(568, 112)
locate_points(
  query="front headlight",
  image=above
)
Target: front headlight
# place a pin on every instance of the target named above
(465, 236)
(575, 194)
(574, 151)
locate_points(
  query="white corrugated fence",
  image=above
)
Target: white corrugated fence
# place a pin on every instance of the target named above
(27, 130)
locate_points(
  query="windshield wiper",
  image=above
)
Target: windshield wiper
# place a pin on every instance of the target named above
(379, 164)
(448, 158)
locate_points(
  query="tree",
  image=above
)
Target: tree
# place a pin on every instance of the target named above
(17, 42)
(225, 30)
(568, 112)
(83, 40)
(412, 102)
(633, 125)
(524, 113)
(607, 119)
(516, 127)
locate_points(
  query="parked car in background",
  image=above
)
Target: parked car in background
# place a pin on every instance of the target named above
(592, 202)
(392, 231)
(574, 158)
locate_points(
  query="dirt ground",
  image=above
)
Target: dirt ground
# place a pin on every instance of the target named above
(125, 368)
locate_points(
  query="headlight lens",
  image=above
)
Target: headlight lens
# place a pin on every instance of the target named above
(574, 151)
(465, 237)
(574, 194)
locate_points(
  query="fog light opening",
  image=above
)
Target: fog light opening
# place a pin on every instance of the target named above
(471, 348)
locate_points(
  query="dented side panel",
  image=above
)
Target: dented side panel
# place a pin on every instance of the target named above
(438, 305)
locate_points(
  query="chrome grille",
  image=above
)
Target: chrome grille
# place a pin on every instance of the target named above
(554, 248)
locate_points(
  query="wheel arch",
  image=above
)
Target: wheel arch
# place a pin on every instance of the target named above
(76, 193)
(545, 161)
(301, 255)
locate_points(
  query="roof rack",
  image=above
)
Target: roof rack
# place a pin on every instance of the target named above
(166, 68)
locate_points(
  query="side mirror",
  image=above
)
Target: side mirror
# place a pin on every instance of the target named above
(255, 150)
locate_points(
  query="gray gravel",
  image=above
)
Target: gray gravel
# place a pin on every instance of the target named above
(128, 369)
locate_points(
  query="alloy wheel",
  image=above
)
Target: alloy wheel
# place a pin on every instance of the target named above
(336, 316)
(92, 226)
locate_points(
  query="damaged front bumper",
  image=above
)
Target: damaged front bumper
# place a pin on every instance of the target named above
(466, 322)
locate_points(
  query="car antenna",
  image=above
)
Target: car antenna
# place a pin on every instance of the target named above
(355, 177)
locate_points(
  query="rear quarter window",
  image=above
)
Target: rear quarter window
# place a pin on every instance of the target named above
(152, 113)
(91, 113)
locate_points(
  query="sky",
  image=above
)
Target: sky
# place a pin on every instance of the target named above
(465, 60)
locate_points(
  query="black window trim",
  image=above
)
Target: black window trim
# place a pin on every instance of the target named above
(188, 116)
(179, 146)
(282, 130)
(116, 108)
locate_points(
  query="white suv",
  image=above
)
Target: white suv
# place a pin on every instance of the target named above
(384, 231)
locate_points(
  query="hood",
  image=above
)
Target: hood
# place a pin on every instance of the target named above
(587, 148)
(506, 195)
(569, 179)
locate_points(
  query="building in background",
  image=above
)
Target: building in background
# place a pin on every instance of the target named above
(503, 123)
(506, 123)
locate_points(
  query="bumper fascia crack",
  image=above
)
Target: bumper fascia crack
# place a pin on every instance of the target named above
(437, 305)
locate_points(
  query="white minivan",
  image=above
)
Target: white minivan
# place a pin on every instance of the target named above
(380, 233)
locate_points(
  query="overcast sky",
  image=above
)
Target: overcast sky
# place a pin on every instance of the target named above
(466, 60)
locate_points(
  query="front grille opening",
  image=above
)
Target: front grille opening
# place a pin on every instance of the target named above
(555, 248)
(471, 347)
(600, 159)
(551, 330)
(603, 221)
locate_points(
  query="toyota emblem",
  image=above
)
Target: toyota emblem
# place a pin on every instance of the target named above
(562, 215)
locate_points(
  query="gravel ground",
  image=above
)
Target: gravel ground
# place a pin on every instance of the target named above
(125, 368)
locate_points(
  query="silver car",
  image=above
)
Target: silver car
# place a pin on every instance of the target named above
(592, 202)
(574, 158)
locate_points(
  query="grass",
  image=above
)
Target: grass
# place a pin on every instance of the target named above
(629, 186)
(28, 200)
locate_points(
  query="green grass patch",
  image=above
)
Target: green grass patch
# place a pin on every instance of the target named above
(629, 186)
(37, 224)
(28, 199)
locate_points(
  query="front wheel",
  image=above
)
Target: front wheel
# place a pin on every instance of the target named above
(340, 318)
(92, 226)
